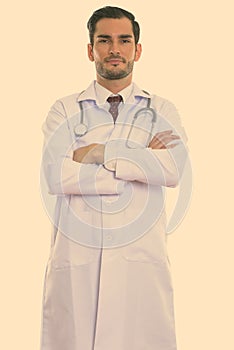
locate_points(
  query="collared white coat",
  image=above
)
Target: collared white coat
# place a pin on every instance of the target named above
(108, 283)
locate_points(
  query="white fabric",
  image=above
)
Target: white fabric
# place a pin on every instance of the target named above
(110, 290)
(102, 93)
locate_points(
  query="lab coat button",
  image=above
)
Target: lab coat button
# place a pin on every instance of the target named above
(108, 202)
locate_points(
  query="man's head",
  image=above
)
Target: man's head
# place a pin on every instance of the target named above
(113, 46)
(112, 12)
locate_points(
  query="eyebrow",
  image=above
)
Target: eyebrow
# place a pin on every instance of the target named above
(121, 36)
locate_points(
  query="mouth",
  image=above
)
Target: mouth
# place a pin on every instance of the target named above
(115, 61)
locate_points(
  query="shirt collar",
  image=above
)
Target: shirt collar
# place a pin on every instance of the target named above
(98, 93)
(102, 93)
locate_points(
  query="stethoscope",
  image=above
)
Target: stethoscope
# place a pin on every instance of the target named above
(81, 129)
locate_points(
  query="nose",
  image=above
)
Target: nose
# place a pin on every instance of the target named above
(114, 48)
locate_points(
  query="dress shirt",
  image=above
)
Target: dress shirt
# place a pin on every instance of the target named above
(102, 93)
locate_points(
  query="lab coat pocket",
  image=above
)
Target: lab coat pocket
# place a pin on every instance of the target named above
(67, 253)
(151, 248)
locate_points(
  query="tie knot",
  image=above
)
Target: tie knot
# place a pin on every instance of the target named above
(114, 99)
(114, 102)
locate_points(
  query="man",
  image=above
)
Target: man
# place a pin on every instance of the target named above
(107, 159)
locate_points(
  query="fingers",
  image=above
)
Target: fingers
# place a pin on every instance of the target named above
(166, 132)
(162, 146)
(171, 146)
(164, 135)
(162, 139)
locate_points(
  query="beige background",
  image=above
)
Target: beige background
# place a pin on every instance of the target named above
(187, 58)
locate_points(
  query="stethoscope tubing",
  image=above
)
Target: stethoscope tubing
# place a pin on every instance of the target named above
(81, 129)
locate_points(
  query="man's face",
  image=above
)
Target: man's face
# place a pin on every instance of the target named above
(114, 50)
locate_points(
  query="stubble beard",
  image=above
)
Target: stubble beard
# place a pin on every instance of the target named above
(112, 74)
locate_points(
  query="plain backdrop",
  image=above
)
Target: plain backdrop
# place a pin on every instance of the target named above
(188, 59)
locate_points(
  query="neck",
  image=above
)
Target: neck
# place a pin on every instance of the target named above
(115, 86)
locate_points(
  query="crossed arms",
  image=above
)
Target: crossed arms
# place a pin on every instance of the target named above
(94, 153)
(99, 169)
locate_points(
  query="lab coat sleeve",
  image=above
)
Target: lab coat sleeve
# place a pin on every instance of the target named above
(62, 174)
(163, 167)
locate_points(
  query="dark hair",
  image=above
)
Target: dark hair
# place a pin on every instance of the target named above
(112, 12)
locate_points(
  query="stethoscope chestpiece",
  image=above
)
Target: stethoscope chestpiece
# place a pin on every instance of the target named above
(80, 129)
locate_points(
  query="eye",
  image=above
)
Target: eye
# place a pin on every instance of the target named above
(125, 41)
(103, 41)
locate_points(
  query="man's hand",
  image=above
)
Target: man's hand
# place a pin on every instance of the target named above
(94, 153)
(91, 154)
(162, 139)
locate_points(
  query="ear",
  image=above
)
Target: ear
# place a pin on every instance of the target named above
(138, 52)
(90, 52)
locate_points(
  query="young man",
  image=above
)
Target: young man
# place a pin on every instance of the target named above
(109, 152)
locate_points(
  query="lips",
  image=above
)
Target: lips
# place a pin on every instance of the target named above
(115, 60)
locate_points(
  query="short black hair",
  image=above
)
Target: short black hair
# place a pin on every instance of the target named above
(112, 12)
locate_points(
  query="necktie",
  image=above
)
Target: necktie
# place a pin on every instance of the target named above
(114, 102)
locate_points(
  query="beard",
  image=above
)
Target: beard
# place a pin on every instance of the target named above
(114, 74)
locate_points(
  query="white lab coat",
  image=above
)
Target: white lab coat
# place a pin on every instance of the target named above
(108, 283)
